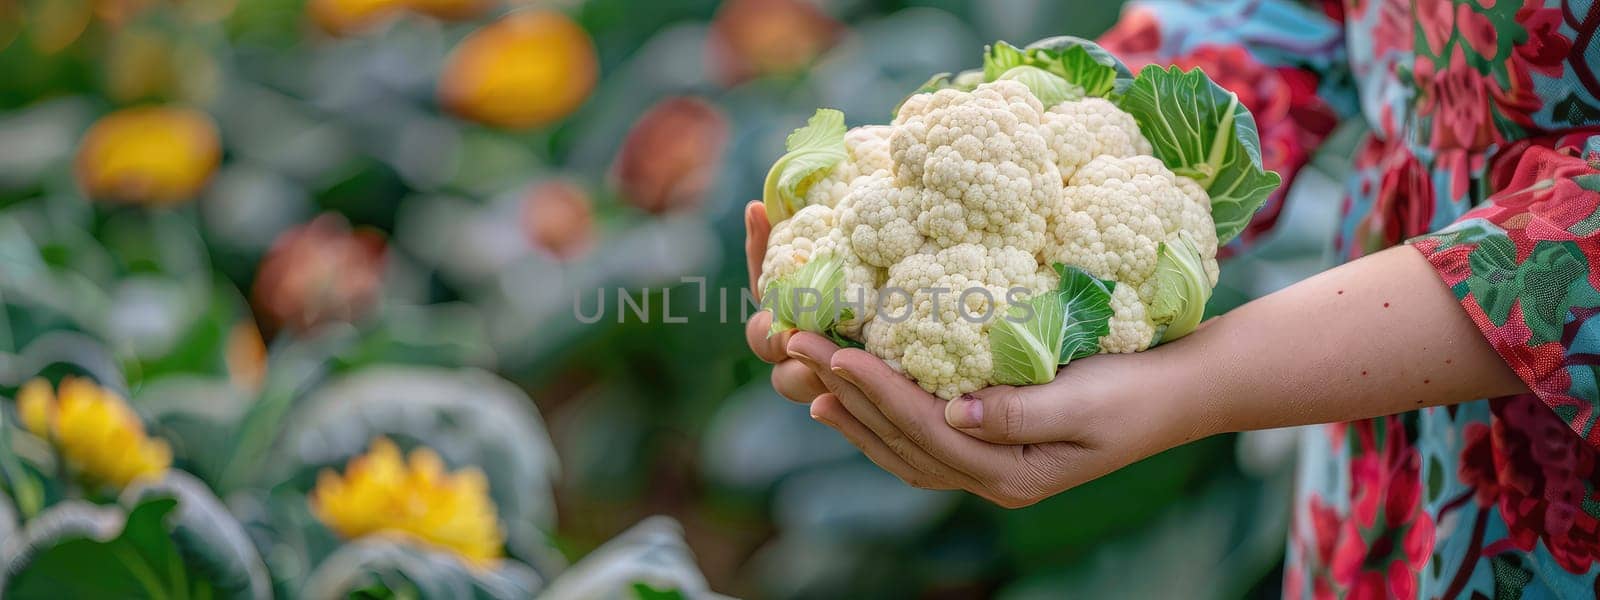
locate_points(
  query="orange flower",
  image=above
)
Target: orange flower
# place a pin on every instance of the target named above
(318, 273)
(528, 69)
(557, 219)
(246, 355)
(751, 38)
(157, 155)
(451, 10)
(670, 157)
(344, 17)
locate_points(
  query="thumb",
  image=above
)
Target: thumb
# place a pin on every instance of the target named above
(1015, 415)
(757, 229)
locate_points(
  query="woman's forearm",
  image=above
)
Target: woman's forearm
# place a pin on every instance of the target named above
(1379, 335)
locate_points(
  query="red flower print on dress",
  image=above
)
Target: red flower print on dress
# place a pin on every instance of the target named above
(1403, 205)
(1478, 31)
(1546, 48)
(1457, 102)
(1436, 21)
(1393, 31)
(1541, 477)
(1316, 547)
(1379, 549)
(1388, 537)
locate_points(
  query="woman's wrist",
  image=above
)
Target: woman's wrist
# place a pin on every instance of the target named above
(1156, 393)
(1184, 378)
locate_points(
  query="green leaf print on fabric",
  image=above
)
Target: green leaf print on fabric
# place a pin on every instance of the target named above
(1543, 283)
(1510, 577)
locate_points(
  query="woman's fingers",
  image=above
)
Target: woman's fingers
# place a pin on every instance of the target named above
(817, 352)
(916, 413)
(756, 231)
(796, 381)
(814, 350)
(827, 410)
(1018, 415)
(770, 347)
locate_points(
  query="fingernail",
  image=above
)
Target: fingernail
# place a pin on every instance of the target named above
(843, 374)
(805, 360)
(818, 418)
(965, 412)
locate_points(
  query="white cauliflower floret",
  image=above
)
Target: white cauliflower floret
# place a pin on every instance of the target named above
(1131, 329)
(983, 164)
(1112, 132)
(1070, 144)
(867, 151)
(937, 308)
(879, 217)
(1117, 213)
(812, 234)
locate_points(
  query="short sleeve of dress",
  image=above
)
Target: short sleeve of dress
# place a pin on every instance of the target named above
(1285, 59)
(1525, 265)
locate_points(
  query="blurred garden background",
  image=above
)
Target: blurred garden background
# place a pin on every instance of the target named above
(288, 296)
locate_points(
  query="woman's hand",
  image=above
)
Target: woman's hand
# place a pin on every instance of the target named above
(1011, 445)
(792, 379)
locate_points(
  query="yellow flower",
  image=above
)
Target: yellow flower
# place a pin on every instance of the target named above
(94, 430)
(149, 155)
(527, 69)
(36, 405)
(381, 493)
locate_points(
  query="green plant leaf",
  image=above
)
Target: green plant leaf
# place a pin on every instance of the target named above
(643, 591)
(1087, 69)
(964, 81)
(813, 151)
(1026, 343)
(651, 553)
(1182, 289)
(1051, 329)
(385, 568)
(131, 554)
(25, 484)
(809, 299)
(1048, 88)
(1202, 131)
(1081, 62)
(211, 542)
(1000, 57)
(1087, 302)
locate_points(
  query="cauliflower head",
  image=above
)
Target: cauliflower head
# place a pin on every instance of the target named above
(1007, 222)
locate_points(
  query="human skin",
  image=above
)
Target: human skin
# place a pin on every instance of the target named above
(1379, 335)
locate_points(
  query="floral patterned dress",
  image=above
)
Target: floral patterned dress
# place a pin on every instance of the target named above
(1483, 153)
